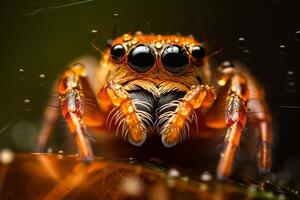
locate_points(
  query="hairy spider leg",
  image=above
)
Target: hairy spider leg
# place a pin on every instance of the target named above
(192, 100)
(136, 131)
(243, 100)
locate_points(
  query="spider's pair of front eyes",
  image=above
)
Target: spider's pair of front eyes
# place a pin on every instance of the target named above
(142, 58)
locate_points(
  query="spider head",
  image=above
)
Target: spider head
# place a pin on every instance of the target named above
(172, 55)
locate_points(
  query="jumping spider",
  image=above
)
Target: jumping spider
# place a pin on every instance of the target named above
(131, 84)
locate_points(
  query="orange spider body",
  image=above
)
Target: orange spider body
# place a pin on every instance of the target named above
(154, 84)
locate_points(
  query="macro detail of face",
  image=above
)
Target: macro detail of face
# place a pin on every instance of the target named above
(156, 71)
(143, 53)
(158, 60)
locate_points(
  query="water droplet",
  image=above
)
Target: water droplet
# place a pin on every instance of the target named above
(115, 22)
(21, 73)
(132, 186)
(108, 43)
(245, 55)
(6, 156)
(290, 75)
(206, 176)
(42, 76)
(171, 183)
(27, 105)
(61, 152)
(42, 79)
(115, 16)
(138, 33)
(251, 191)
(227, 64)
(269, 195)
(173, 172)
(203, 187)
(95, 39)
(131, 160)
(291, 87)
(94, 32)
(246, 51)
(281, 197)
(282, 49)
(185, 178)
(297, 36)
(241, 43)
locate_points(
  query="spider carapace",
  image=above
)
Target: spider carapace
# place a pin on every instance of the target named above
(163, 85)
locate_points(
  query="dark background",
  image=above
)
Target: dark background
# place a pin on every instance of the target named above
(43, 36)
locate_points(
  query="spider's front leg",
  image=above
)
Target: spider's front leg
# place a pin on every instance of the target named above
(136, 132)
(198, 96)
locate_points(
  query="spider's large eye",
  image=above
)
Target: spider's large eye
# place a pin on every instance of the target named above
(117, 52)
(175, 59)
(141, 58)
(198, 52)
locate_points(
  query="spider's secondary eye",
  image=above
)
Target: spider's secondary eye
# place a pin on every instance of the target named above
(117, 52)
(175, 59)
(198, 52)
(141, 58)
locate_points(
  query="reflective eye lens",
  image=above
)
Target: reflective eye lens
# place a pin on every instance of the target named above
(175, 59)
(141, 58)
(198, 52)
(117, 52)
